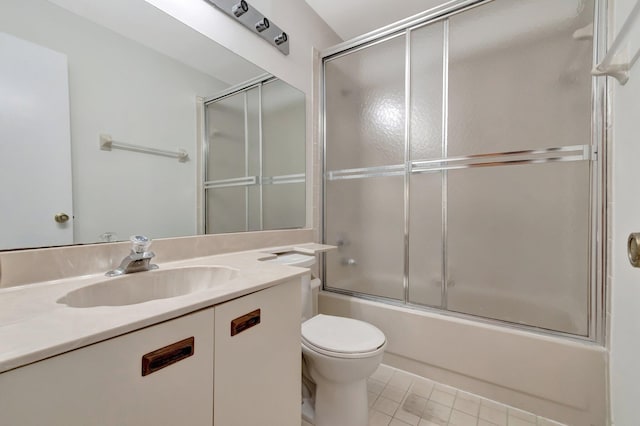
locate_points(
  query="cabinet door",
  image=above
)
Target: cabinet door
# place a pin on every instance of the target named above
(102, 384)
(257, 370)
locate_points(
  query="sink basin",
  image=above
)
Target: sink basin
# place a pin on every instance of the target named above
(151, 285)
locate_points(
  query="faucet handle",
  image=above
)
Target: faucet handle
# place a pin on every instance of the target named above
(140, 243)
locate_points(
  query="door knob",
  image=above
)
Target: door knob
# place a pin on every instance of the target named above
(61, 217)
(633, 249)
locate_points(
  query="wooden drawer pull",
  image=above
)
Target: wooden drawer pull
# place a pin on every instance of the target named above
(164, 357)
(245, 322)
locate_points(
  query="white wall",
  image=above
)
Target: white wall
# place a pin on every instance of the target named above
(137, 96)
(625, 280)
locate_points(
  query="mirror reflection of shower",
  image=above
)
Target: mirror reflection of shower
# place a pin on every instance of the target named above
(255, 160)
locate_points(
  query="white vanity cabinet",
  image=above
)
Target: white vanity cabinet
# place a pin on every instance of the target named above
(102, 384)
(251, 378)
(257, 370)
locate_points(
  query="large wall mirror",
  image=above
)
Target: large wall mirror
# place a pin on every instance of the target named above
(117, 119)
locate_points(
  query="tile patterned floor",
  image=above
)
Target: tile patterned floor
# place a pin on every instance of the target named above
(398, 398)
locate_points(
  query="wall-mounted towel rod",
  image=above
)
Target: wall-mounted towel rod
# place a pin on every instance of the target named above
(107, 143)
(624, 50)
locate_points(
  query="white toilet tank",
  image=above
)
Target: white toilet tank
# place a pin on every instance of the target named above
(309, 286)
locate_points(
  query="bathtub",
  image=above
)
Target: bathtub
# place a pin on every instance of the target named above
(559, 378)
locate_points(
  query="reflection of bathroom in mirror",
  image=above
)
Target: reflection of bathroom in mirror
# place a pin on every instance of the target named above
(72, 71)
(255, 162)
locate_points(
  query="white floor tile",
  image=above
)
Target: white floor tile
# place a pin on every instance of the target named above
(394, 393)
(414, 404)
(468, 396)
(401, 379)
(424, 422)
(372, 397)
(458, 418)
(375, 386)
(443, 398)
(377, 418)
(493, 415)
(396, 422)
(436, 413)
(516, 421)
(422, 387)
(446, 389)
(386, 406)
(397, 398)
(466, 405)
(383, 373)
(407, 417)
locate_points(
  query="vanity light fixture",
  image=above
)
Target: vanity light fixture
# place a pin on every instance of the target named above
(251, 18)
(281, 38)
(262, 25)
(240, 9)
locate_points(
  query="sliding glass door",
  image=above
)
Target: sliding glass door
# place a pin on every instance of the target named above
(460, 163)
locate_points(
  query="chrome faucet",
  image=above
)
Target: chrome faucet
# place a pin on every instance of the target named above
(138, 260)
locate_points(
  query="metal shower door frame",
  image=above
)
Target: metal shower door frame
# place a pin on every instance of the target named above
(597, 151)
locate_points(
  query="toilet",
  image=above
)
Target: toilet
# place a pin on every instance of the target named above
(339, 354)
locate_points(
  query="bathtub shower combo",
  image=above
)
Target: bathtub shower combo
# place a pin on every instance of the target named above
(464, 164)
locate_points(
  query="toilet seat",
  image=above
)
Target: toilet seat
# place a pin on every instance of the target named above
(342, 337)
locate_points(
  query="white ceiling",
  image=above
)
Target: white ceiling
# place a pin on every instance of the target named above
(352, 18)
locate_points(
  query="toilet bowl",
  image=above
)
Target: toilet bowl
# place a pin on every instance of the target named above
(339, 354)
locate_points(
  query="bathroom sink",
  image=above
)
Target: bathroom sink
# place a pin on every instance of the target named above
(145, 286)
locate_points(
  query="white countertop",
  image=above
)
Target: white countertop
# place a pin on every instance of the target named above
(33, 326)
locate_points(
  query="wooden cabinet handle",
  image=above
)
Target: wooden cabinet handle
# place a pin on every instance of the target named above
(245, 322)
(164, 357)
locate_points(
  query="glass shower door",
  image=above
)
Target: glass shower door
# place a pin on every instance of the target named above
(461, 168)
(519, 231)
(426, 142)
(283, 156)
(365, 163)
(232, 166)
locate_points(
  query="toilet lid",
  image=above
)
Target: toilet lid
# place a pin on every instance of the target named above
(342, 335)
